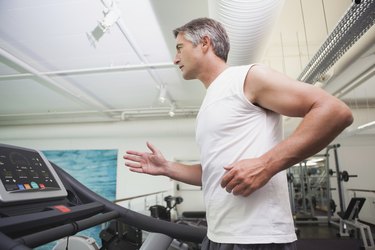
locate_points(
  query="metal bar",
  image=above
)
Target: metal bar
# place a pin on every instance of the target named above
(92, 70)
(43, 237)
(339, 183)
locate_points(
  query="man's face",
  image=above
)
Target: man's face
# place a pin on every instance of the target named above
(187, 57)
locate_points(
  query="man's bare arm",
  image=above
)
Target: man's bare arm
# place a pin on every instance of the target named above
(154, 163)
(324, 117)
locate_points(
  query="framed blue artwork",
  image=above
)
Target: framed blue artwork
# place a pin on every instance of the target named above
(96, 169)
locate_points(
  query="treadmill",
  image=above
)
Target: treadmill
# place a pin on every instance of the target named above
(41, 203)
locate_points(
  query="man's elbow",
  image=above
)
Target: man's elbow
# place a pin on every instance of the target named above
(345, 116)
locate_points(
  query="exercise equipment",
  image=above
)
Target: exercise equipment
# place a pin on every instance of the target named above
(349, 220)
(27, 176)
(76, 242)
(41, 203)
(119, 235)
(341, 176)
(349, 217)
(290, 178)
(195, 218)
(164, 212)
(307, 189)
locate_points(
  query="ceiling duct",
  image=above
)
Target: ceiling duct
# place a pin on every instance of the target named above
(248, 24)
(356, 21)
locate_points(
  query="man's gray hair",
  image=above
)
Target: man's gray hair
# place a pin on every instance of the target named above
(195, 30)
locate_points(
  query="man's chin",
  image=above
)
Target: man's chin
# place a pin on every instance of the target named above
(187, 77)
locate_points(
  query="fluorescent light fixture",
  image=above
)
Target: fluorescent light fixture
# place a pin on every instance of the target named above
(310, 163)
(315, 160)
(369, 124)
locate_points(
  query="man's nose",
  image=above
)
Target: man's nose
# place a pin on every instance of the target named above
(176, 59)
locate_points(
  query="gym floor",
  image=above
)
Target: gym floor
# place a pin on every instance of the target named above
(323, 236)
(313, 233)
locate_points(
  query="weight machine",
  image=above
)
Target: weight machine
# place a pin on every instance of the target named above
(349, 220)
(340, 175)
(349, 216)
(309, 191)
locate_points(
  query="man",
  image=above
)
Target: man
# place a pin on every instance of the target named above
(239, 132)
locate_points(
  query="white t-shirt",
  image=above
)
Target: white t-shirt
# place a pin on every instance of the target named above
(230, 128)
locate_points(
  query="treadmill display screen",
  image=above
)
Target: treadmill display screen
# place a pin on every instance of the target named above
(23, 171)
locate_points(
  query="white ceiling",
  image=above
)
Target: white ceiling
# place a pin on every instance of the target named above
(51, 72)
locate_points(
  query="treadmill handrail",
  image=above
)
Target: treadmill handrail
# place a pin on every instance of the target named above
(8, 243)
(143, 222)
(46, 236)
(45, 218)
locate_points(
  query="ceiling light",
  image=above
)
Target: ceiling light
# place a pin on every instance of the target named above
(110, 17)
(171, 112)
(369, 124)
(163, 94)
(315, 160)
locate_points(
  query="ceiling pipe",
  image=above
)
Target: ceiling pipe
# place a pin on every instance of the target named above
(124, 112)
(88, 116)
(92, 70)
(249, 25)
(356, 82)
(54, 84)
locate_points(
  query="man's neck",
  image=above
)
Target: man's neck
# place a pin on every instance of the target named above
(211, 72)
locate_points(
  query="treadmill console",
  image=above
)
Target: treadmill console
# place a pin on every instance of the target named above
(27, 175)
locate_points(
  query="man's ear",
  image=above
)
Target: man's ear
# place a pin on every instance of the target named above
(206, 43)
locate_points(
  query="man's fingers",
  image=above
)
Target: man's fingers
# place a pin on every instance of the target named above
(152, 148)
(135, 158)
(225, 180)
(229, 167)
(228, 176)
(231, 185)
(131, 164)
(132, 152)
(228, 182)
(234, 184)
(137, 170)
(242, 190)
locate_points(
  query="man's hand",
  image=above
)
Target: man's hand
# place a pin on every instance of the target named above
(152, 163)
(245, 176)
